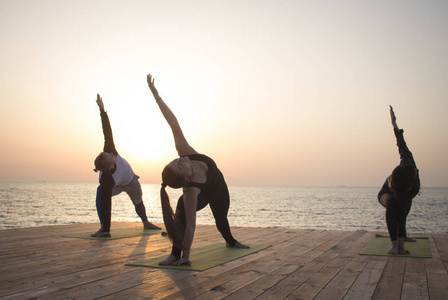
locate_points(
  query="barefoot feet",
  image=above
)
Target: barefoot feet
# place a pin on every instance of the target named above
(401, 249)
(101, 233)
(149, 225)
(393, 248)
(397, 247)
(168, 261)
(238, 245)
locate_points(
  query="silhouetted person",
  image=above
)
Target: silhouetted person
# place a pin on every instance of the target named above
(398, 191)
(116, 176)
(202, 183)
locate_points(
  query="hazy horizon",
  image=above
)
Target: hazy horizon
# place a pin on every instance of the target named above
(278, 93)
(230, 185)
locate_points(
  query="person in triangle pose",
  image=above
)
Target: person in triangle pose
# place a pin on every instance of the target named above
(202, 184)
(116, 176)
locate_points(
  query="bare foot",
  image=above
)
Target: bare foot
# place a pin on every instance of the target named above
(238, 245)
(393, 248)
(171, 259)
(401, 249)
(101, 233)
(408, 239)
(182, 261)
(149, 225)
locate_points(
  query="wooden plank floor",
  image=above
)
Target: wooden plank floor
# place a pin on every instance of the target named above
(39, 263)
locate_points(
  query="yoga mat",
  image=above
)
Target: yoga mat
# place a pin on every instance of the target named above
(381, 244)
(203, 258)
(118, 234)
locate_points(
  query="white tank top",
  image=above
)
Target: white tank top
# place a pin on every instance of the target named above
(123, 175)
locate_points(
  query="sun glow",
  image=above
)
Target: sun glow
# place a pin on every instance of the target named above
(269, 91)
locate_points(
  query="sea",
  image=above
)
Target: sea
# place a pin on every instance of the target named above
(319, 208)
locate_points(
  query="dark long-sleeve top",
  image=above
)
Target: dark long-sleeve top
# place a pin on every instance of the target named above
(406, 158)
(122, 174)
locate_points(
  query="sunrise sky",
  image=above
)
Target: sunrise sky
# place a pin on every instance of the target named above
(276, 92)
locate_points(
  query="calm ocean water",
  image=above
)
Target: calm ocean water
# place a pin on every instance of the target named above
(331, 208)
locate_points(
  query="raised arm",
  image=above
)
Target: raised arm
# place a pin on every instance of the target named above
(182, 146)
(393, 119)
(406, 156)
(99, 101)
(109, 145)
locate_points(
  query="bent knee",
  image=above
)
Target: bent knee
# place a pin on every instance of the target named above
(386, 199)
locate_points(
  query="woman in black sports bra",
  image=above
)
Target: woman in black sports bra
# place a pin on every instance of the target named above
(202, 183)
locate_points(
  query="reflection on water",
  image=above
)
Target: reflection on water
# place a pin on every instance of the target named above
(331, 208)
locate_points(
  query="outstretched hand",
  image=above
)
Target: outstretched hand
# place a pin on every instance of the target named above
(392, 114)
(152, 87)
(99, 101)
(393, 118)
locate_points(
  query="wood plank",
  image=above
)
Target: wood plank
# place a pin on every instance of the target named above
(316, 283)
(441, 243)
(391, 281)
(214, 279)
(272, 269)
(415, 285)
(307, 264)
(83, 259)
(437, 277)
(40, 263)
(104, 286)
(433, 248)
(365, 285)
(337, 288)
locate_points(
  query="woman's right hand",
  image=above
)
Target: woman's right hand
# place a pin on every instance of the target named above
(152, 87)
(170, 260)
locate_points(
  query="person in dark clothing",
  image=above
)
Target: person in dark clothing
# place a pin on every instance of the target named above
(202, 183)
(398, 191)
(116, 176)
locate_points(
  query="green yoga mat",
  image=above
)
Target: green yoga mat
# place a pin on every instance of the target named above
(118, 234)
(203, 258)
(381, 244)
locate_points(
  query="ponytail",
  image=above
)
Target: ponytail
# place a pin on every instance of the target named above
(174, 228)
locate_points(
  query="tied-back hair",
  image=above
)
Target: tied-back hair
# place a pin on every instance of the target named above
(174, 228)
(100, 162)
(402, 177)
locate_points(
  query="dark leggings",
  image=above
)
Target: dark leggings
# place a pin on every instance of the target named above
(104, 208)
(220, 207)
(395, 216)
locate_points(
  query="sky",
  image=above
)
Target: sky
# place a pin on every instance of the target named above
(291, 93)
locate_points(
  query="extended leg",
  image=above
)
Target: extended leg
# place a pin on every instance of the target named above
(134, 190)
(103, 208)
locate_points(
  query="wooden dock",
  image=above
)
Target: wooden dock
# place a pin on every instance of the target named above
(39, 263)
